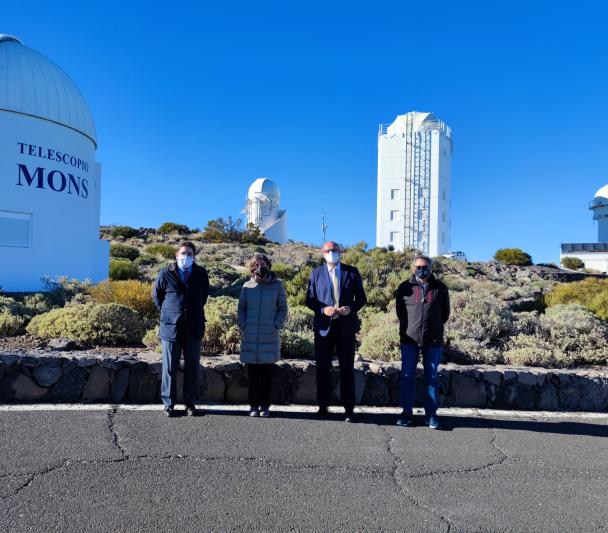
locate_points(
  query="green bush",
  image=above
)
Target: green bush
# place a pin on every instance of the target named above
(164, 250)
(121, 269)
(10, 324)
(299, 319)
(222, 335)
(565, 336)
(284, 271)
(122, 251)
(124, 231)
(513, 256)
(381, 340)
(295, 288)
(572, 263)
(591, 293)
(152, 339)
(172, 227)
(90, 324)
(297, 345)
(145, 260)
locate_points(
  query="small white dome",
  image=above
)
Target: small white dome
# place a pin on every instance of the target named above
(31, 84)
(602, 193)
(264, 186)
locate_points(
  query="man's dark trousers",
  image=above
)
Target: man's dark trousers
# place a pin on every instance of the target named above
(172, 351)
(344, 346)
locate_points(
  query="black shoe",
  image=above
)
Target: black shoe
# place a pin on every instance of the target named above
(168, 410)
(190, 410)
(406, 420)
(322, 412)
(349, 417)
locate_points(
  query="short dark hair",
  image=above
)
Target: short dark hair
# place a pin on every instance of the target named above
(187, 244)
(424, 258)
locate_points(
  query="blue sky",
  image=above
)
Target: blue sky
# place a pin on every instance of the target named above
(194, 100)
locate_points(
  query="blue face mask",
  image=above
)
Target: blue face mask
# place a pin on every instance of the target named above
(423, 272)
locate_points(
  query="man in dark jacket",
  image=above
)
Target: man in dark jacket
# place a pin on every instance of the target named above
(180, 293)
(335, 293)
(423, 307)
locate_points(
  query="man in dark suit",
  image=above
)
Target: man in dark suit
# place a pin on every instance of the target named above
(180, 292)
(335, 294)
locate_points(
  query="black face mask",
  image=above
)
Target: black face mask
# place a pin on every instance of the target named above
(262, 271)
(423, 272)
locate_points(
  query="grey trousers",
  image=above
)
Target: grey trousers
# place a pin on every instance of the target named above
(172, 351)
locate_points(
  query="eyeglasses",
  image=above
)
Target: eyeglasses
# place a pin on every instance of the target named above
(330, 250)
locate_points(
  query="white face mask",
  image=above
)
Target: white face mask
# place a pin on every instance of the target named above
(333, 258)
(184, 261)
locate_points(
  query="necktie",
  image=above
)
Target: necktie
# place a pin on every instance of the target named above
(335, 287)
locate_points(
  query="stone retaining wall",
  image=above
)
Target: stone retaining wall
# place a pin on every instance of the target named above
(36, 378)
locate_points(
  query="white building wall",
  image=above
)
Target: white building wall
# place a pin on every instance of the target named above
(64, 223)
(593, 260)
(392, 162)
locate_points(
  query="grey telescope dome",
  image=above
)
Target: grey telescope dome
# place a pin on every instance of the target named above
(31, 84)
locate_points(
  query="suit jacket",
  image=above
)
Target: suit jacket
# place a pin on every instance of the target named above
(319, 295)
(181, 305)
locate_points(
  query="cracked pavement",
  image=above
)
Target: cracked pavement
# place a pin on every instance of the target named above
(127, 470)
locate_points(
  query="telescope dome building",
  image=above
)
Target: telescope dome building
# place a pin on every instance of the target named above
(262, 208)
(51, 183)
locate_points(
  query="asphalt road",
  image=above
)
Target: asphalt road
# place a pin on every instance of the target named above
(126, 470)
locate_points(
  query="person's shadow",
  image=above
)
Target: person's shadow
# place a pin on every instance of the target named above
(448, 423)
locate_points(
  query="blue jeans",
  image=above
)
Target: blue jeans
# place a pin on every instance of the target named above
(431, 357)
(172, 351)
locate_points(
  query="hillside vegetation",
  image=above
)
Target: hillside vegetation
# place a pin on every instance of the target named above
(501, 312)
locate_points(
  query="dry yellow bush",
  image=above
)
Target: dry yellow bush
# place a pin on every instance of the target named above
(134, 294)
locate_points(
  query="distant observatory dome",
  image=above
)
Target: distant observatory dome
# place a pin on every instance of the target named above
(50, 191)
(264, 186)
(31, 84)
(262, 208)
(602, 193)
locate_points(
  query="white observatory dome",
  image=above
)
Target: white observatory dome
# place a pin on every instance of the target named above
(602, 192)
(31, 84)
(264, 186)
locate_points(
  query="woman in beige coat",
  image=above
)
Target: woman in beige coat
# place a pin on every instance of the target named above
(262, 313)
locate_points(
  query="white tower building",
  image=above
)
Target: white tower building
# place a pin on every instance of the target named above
(262, 208)
(414, 191)
(599, 206)
(50, 182)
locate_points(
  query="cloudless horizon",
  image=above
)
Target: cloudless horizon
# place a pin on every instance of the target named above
(193, 101)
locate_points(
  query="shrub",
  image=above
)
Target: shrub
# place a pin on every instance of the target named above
(572, 263)
(10, 324)
(134, 294)
(225, 280)
(297, 345)
(164, 250)
(90, 324)
(145, 260)
(299, 319)
(152, 339)
(122, 251)
(122, 269)
(566, 335)
(124, 231)
(513, 256)
(284, 271)
(382, 340)
(591, 293)
(38, 303)
(222, 335)
(172, 227)
(295, 288)
(12, 306)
